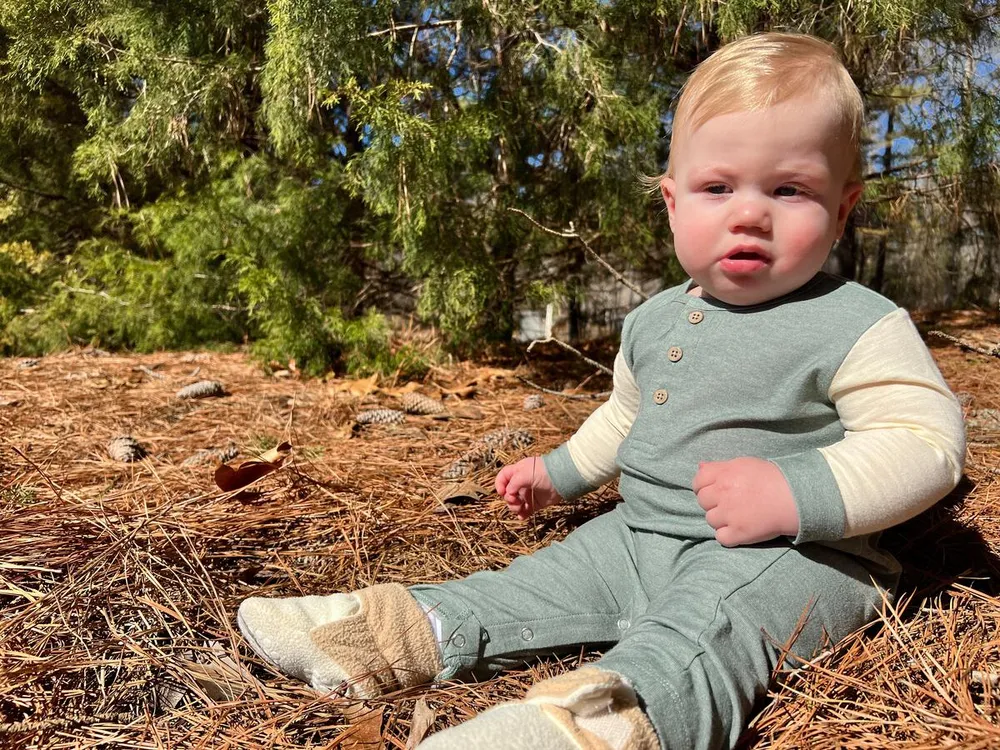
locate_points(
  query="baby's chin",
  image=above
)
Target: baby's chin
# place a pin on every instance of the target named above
(743, 291)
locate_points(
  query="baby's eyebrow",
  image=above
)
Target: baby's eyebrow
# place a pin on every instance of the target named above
(712, 171)
(803, 173)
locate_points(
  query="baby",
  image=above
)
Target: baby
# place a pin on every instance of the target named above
(766, 421)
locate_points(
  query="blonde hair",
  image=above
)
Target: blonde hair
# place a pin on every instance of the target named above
(759, 71)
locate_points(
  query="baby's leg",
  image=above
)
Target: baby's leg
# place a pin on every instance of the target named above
(705, 649)
(378, 639)
(581, 590)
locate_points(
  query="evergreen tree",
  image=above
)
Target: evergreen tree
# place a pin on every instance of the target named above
(277, 171)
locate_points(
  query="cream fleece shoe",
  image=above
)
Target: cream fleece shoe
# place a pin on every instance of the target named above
(588, 709)
(366, 643)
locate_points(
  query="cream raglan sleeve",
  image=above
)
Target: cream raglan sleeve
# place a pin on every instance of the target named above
(904, 439)
(587, 460)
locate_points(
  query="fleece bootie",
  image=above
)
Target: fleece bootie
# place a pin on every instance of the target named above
(366, 643)
(588, 709)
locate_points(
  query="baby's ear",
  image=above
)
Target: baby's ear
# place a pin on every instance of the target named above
(668, 188)
(852, 192)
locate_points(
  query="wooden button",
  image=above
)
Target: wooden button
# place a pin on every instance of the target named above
(695, 317)
(660, 396)
(674, 354)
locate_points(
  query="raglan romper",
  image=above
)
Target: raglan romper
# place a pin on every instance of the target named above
(697, 628)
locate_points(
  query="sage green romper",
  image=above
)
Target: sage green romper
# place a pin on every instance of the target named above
(697, 628)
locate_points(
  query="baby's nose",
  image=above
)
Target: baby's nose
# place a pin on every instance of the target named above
(751, 212)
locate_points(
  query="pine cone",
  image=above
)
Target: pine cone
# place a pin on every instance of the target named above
(534, 401)
(506, 439)
(418, 403)
(211, 455)
(126, 448)
(380, 416)
(477, 459)
(457, 469)
(202, 389)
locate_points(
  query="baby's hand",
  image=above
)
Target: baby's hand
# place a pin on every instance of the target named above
(526, 487)
(746, 500)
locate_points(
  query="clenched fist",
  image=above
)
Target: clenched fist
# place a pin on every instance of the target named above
(746, 500)
(526, 487)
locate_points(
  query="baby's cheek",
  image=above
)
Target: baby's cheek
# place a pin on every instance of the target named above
(693, 243)
(807, 232)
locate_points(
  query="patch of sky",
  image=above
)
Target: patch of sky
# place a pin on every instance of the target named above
(338, 149)
(396, 139)
(536, 160)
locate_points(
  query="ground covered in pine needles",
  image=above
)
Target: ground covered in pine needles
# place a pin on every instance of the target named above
(119, 581)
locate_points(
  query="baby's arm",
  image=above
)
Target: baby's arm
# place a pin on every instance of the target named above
(584, 462)
(904, 443)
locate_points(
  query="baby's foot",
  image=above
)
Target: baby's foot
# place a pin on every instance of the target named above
(367, 643)
(589, 709)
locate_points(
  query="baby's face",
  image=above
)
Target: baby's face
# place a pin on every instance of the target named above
(758, 198)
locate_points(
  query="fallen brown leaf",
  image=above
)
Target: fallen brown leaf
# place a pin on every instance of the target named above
(365, 732)
(359, 388)
(459, 493)
(228, 479)
(423, 719)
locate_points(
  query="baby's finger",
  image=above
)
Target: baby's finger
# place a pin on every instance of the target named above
(707, 497)
(715, 518)
(706, 475)
(503, 477)
(727, 536)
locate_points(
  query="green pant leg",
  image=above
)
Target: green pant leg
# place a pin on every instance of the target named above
(584, 589)
(705, 648)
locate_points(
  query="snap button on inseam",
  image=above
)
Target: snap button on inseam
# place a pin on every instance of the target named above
(526, 634)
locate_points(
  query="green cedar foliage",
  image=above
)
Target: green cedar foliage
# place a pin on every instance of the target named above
(285, 172)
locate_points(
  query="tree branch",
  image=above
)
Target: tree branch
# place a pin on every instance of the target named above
(416, 26)
(968, 346)
(574, 235)
(25, 189)
(577, 396)
(578, 353)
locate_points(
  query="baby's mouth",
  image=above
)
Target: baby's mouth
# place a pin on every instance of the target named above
(744, 261)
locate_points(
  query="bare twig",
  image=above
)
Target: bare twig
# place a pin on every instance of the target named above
(577, 396)
(967, 346)
(101, 293)
(575, 235)
(567, 347)
(415, 27)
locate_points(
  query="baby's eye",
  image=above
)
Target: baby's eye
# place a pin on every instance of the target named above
(716, 189)
(787, 191)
